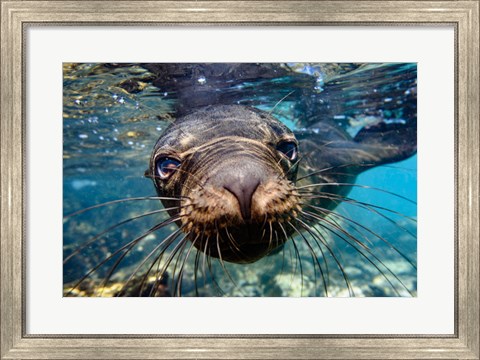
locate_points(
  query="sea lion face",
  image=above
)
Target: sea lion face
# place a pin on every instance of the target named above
(233, 168)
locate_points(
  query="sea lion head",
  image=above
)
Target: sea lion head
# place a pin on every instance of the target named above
(233, 169)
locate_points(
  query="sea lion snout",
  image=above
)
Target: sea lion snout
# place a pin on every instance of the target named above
(243, 190)
(241, 179)
(236, 192)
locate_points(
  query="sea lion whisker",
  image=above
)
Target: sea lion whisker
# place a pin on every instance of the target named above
(95, 268)
(297, 256)
(195, 270)
(212, 276)
(277, 240)
(322, 222)
(401, 168)
(176, 280)
(234, 243)
(362, 204)
(292, 167)
(324, 213)
(165, 243)
(306, 227)
(206, 263)
(271, 235)
(356, 223)
(140, 198)
(360, 251)
(104, 282)
(360, 186)
(158, 261)
(180, 275)
(359, 165)
(176, 255)
(324, 273)
(158, 277)
(314, 257)
(204, 258)
(221, 260)
(283, 250)
(316, 172)
(297, 261)
(99, 235)
(371, 208)
(279, 101)
(265, 220)
(330, 173)
(202, 252)
(318, 237)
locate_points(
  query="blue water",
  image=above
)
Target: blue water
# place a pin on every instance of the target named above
(109, 134)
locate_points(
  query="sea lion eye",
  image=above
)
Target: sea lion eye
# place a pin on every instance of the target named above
(289, 149)
(166, 167)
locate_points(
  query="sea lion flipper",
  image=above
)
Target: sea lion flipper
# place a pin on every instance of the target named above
(326, 146)
(388, 142)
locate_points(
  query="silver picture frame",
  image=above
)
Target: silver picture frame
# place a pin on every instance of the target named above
(16, 16)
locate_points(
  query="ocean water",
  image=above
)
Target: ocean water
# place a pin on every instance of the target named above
(113, 115)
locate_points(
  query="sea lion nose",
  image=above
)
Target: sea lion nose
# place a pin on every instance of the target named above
(243, 189)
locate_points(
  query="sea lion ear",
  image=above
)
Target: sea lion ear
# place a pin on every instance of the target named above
(147, 173)
(389, 142)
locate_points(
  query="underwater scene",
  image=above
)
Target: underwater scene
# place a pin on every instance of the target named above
(240, 179)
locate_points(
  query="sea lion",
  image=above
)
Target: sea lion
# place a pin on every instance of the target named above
(233, 170)
(241, 187)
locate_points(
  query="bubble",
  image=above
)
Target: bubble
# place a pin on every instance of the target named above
(80, 184)
(395, 121)
(83, 136)
(201, 80)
